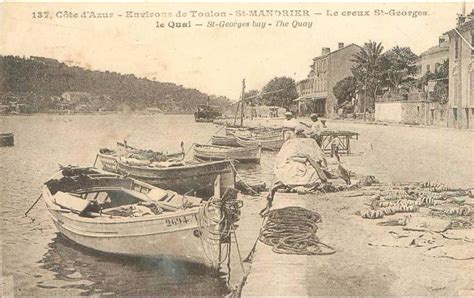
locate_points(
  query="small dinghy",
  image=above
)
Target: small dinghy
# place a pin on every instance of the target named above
(181, 176)
(7, 139)
(113, 214)
(212, 152)
(272, 143)
(228, 140)
(108, 157)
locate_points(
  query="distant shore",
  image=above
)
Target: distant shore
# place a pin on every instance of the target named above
(94, 113)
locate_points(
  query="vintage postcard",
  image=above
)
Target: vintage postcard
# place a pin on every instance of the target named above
(237, 149)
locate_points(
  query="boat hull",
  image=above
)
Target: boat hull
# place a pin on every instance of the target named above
(272, 144)
(126, 149)
(7, 140)
(204, 120)
(209, 152)
(109, 162)
(176, 236)
(229, 141)
(197, 178)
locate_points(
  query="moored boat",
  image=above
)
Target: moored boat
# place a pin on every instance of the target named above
(228, 140)
(183, 177)
(124, 149)
(212, 152)
(206, 113)
(108, 159)
(7, 139)
(114, 214)
(273, 143)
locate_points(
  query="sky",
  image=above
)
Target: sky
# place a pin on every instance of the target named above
(213, 60)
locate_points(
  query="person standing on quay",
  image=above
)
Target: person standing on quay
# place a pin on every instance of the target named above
(290, 126)
(315, 128)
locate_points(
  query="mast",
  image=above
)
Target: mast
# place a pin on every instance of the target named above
(242, 103)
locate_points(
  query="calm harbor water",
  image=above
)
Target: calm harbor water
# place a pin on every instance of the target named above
(36, 260)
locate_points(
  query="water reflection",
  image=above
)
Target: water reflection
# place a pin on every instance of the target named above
(91, 272)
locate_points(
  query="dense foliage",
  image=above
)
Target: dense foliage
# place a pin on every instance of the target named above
(399, 64)
(281, 91)
(42, 78)
(345, 90)
(376, 71)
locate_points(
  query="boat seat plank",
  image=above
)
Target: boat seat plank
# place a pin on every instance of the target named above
(70, 202)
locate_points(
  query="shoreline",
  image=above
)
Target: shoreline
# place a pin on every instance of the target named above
(277, 121)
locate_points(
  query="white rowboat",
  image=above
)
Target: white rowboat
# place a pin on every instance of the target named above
(212, 152)
(90, 207)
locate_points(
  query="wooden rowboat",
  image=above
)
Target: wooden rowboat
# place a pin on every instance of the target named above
(229, 141)
(124, 148)
(113, 214)
(212, 152)
(108, 159)
(7, 139)
(267, 143)
(182, 177)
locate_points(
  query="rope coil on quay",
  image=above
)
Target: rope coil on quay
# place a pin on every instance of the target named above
(292, 230)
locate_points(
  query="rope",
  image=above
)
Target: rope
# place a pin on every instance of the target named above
(242, 179)
(292, 230)
(189, 149)
(217, 131)
(217, 230)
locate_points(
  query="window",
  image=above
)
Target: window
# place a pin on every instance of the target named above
(455, 113)
(428, 68)
(437, 65)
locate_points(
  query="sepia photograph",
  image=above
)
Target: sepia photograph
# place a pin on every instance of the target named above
(237, 149)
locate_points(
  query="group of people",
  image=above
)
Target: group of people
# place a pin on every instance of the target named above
(293, 128)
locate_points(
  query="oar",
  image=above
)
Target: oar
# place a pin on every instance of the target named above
(39, 197)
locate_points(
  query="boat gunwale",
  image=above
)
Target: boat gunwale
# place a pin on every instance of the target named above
(184, 167)
(229, 147)
(104, 220)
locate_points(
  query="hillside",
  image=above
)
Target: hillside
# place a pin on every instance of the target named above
(40, 82)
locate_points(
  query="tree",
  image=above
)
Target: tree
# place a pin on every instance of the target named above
(283, 92)
(441, 92)
(399, 65)
(442, 72)
(345, 90)
(368, 70)
(251, 97)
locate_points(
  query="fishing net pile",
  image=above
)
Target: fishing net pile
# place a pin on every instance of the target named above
(437, 199)
(301, 167)
(292, 230)
(295, 163)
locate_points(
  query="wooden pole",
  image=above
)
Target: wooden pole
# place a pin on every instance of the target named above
(242, 100)
(29, 209)
(236, 112)
(365, 97)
